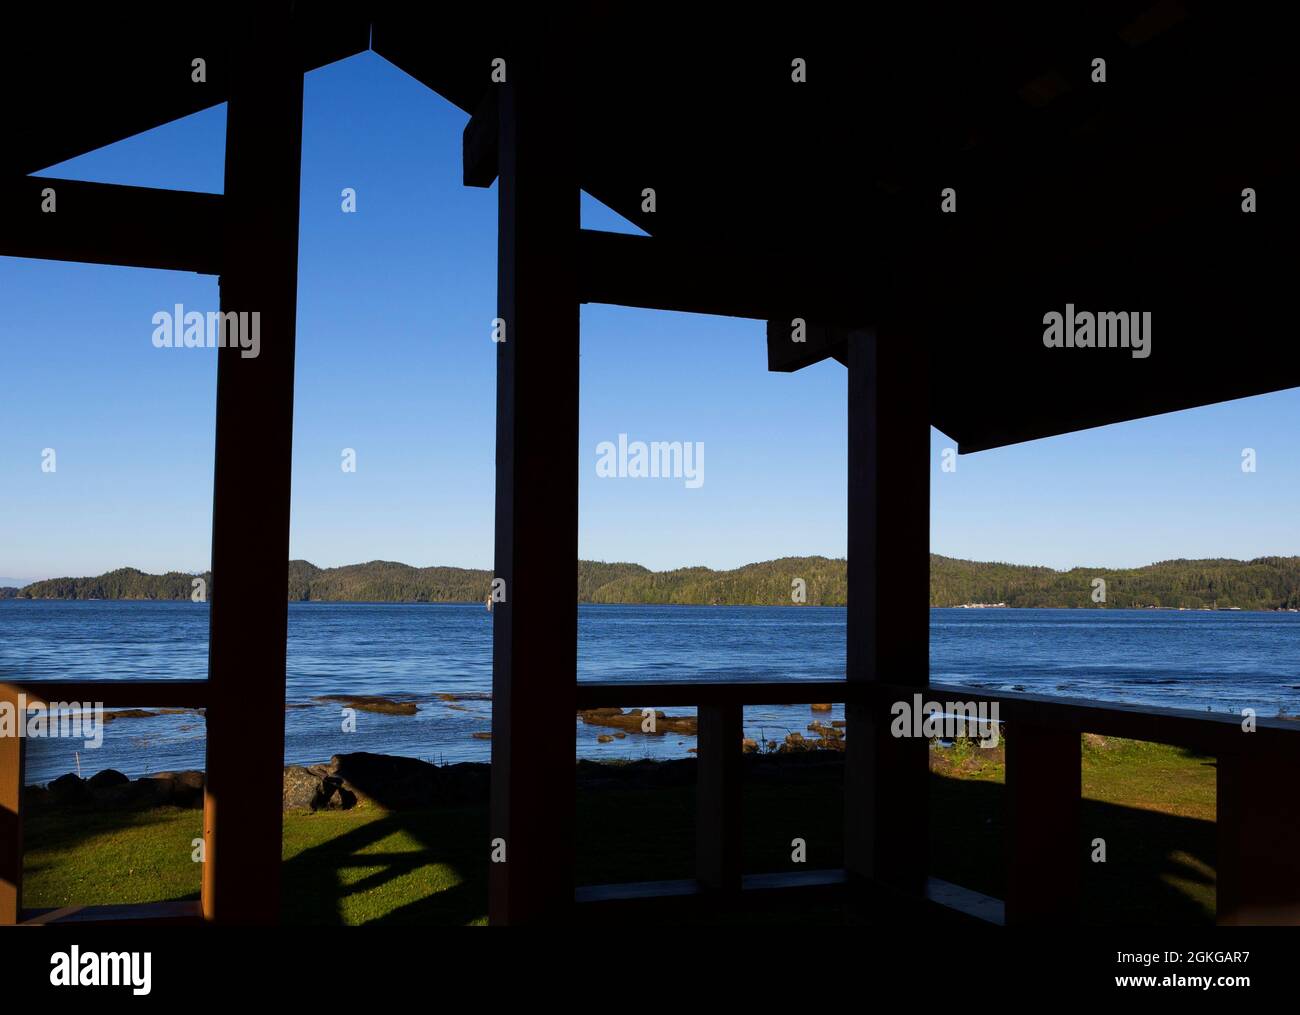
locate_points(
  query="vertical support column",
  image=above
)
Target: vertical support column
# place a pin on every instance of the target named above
(718, 801)
(250, 511)
(1044, 789)
(886, 785)
(11, 810)
(1258, 830)
(534, 636)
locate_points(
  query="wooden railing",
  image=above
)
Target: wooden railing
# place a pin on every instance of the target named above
(1258, 822)
(1257, 812)
(111, 694)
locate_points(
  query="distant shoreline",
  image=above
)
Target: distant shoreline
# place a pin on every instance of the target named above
(689, 606)
(1265, 584)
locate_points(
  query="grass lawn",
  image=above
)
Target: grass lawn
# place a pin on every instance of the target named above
(1153, 806)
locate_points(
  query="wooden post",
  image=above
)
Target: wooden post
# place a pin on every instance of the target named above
(1044, 790)
(250, 513)
(885, 777)
(1258, 830)
(718, 801)
(534, 637)
(11, 812)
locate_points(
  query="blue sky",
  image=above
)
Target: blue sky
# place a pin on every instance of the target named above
(395, 361)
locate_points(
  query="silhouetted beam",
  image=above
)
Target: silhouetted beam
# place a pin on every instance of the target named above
(795, 343)
(643, 271)
(479, 151)
(658, 274)
(480, 143)
(104, 223)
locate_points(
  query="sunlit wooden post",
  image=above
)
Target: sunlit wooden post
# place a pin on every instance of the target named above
(250, 510)
(11, 812)
(534, 643)
(885, 777)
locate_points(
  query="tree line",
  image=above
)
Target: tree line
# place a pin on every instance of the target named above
(1261, 584)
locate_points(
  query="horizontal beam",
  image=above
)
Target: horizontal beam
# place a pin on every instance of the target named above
(116, 693)
(801, 888)
(796, 343)
(661, 274)
(105, 223)
(1209, 732)
(1179, 727)
(732, 692)
(799, 884)
(183, 913)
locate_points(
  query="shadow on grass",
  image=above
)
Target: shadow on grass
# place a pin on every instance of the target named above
(430, 865)
(1159, 868)
(319, 880)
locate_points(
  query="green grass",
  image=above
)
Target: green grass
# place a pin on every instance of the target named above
(89, 857)
(1153, 805)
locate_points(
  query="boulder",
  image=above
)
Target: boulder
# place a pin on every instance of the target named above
(387, 780)
(313, 788)
(180, 789)
(301, 790)
(68, 789)
(107, 779)
(110, 787)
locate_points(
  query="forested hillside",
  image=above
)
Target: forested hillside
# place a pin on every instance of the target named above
(1261, 584)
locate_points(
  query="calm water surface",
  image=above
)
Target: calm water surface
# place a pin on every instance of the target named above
(1221, 661)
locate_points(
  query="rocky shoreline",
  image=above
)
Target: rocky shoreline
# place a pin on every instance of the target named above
(624, 723)
(393, 782)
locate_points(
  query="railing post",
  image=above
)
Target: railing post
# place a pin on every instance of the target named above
(1258, 831)
(11, 811)
(718, 805)
(1044, 787)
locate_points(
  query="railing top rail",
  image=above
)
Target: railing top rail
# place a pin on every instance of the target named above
(114, 693)
(1208, 731)
(702, 692)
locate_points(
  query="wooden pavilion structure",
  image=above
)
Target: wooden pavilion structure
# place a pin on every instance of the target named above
(918, 187)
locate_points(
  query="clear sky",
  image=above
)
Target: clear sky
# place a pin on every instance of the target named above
(395, 361)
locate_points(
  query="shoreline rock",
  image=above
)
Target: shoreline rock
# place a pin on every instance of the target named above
(372, 703)
(631, 721)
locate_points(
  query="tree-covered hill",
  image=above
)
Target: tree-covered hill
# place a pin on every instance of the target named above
(1264, 583)
(768, 583)
(124, 583)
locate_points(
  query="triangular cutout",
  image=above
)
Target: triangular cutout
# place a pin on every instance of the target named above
(596, 215)
(186, 154)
